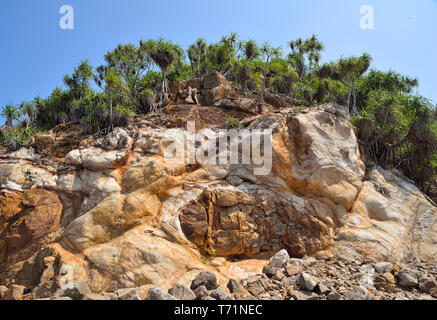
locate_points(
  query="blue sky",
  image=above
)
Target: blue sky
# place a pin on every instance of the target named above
(35, 53)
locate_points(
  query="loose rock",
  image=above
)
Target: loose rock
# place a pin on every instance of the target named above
(307, 282)
(205, 278)
(181, 292)
(158, 294)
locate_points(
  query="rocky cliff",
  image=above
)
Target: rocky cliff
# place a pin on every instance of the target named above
(108, 214)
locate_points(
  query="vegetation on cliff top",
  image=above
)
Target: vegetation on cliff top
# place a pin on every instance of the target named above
(396, 127)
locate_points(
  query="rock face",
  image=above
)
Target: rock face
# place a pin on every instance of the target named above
(112, 213)
(27, 218)
(390, 220)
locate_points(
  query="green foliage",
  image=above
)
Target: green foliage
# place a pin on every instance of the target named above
(210, 252)
(233, 123)
(78, 82)
(251, 50)
(165, 55)
(11, 114)
(396, 127)
(15, 138)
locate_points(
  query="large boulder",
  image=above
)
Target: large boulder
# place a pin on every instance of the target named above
(139, 257)
(325, 160)
(213, 80)
(391, 220)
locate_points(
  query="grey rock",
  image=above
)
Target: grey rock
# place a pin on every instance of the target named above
(367, 273)
(158, 294)
(293, 269)
(321, 288)
(256, 288)
(286, 282)
(270, 270)
(367, 268)
(279, 275)
(333, 295)
(220, 294)
(235, 180)
(383, 267)
(359, 293)
(280, 259)
(427, 284)
(233, 285)
(128, 294)
(303, 295)
(181, 292)
(328, 283)
(205, 278)
(408, 279)
(307, 282)
(309, 262)
(200, 292)
(265, 296)
(76, 290)
(296, 262)
(43, 290)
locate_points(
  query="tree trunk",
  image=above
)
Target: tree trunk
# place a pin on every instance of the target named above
(265, 75)
(164, 87)
(230, 57)
(110, 110)
(354, 106)
(348, 94)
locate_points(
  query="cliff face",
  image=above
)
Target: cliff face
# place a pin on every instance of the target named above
(113, 212)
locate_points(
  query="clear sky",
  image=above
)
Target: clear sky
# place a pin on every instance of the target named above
(36, 53)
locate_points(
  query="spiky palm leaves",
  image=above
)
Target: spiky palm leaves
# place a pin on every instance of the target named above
(11, 114)
(326, 71)
(196, 53)
(28, 110)
(347, 71)
(269, 52)
(192, 55)
(350, 69)
(305, 57)
(114, 84)
(131, 63)
(423, 139)
(251, 50)
(230, 46)
(164, 55)
(78, 82)
(305, 54)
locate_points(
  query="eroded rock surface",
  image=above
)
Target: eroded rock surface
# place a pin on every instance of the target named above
(110, 212)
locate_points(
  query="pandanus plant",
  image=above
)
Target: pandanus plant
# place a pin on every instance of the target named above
(268, 52)
(164, 55)
(11, 114)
